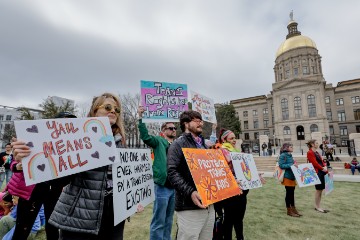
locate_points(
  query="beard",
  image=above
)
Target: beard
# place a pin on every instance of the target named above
(196, 130)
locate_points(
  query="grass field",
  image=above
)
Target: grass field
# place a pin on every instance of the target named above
(266, 217)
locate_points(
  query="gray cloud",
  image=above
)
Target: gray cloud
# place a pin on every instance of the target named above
(225, 50)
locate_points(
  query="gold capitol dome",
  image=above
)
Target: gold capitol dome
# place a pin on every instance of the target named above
(294, 39)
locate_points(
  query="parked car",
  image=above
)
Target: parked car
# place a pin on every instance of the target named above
(255, 149)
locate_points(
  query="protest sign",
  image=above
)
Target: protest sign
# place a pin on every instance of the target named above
(163, 101)
(305, 175)
(203, 105)
(329, 182)
(133, 182)
(245, 170)
(211, 174)
(61, 147)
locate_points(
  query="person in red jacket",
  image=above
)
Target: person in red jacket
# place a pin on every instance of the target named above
(320, 167)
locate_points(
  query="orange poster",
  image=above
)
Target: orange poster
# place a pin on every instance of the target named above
(212, 176)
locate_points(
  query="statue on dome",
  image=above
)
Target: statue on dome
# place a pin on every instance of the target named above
(292, 15)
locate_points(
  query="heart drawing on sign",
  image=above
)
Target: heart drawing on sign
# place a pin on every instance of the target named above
(95, 155)
(41, 167)
(94, 129)
(112, 158)
(33, 129)
(30, 144)
(109, 143)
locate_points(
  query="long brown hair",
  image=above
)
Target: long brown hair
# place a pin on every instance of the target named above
(310, 143)
(118, 127)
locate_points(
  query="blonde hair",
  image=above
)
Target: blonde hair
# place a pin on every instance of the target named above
(118, 126)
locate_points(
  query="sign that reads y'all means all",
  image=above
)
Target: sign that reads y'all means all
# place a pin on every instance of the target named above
(203, 105)
(163, 101)
(212, 176)
(305, 175)
(61, 147)
(133, 182)
(245, 170)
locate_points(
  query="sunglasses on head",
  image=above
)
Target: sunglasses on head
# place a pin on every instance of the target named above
(109, 107)
(171, 128)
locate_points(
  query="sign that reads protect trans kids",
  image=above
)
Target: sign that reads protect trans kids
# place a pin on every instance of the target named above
(305, 175)
(245, 170)
(203, 105)
(211, 174)
(61, 147)
(133, 182)
(163, 101)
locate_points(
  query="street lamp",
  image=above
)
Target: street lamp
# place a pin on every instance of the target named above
(274, 144)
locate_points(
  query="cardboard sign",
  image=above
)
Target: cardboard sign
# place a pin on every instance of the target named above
(133, 182)
(163, 102)
(203, 105)
(61, 147)
(329, 183)
(211, 174)
(245, 170)
(305, 175)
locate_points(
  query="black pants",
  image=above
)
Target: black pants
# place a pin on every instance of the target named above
(234, 212)
(290, 196)
(107, 229)
(27, 210)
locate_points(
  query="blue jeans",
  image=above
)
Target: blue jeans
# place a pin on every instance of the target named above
(163, 212)
(7, 174)
(353, 169)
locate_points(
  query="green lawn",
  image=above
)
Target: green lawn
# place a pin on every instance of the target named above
(266, 217)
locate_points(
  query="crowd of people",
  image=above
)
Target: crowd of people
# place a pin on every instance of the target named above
(80, 206)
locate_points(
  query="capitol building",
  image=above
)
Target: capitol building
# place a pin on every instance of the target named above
(301, 101)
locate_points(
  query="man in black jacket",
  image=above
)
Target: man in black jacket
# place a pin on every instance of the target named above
(195, 221)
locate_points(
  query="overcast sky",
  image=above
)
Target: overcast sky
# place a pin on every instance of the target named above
(222, 49)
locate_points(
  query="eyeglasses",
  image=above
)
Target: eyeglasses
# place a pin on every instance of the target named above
(171, 128)
(198, 121)
(109, 107)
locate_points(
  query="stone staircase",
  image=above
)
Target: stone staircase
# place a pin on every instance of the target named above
(267, 164)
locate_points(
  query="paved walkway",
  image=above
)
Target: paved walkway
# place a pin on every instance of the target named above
(337, 177)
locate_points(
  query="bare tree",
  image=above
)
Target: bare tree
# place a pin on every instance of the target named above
(83, 109)
(130, 104)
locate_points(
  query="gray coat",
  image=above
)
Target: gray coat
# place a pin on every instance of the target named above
(80, 205)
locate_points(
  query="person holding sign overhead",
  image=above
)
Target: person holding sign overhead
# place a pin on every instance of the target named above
(163, 209)
(195, 221)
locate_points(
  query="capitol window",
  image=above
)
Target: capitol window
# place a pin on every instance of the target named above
(339, 101)
(305, 70)
(327, 99)
(296, 72)
(311, 105)
(341, 116)
(255, 113)
(245, 113)
(314, 128)
(355, 99)
(284, 109)
(343, 130)
(287, 130)
(297, 107)
(357, 114)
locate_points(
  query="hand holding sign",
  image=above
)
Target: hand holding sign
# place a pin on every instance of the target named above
(195, 197)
